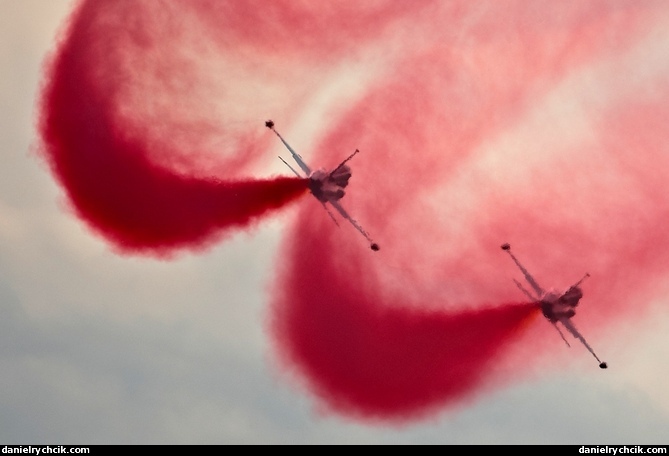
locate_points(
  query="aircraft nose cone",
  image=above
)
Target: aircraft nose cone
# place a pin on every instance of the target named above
(603, 366)
(506, 246)
(375, 247)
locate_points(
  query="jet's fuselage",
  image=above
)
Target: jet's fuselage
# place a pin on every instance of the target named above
(556, 305)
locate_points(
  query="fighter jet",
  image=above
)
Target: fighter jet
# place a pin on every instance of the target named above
(327, 186)
(555, 305)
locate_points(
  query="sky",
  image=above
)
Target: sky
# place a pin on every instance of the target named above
(99, 347)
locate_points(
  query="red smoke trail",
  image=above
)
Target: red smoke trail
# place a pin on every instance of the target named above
(374, 356)
(536, 125)
(142, 193)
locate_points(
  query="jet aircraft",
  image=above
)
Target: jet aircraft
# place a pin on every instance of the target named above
(327, 186)
(557, 306)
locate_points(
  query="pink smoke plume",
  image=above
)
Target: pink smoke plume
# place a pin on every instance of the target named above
(373, 356)
(536, 126)
(478, 123)
(127, 155)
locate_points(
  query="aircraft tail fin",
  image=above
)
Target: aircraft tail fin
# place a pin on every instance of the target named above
(587, 274)
(336, 171)
(340, 176)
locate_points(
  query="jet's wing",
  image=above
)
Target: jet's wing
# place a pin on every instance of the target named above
(357, 226)
(295, 155)
(533, 283)
(569, 326)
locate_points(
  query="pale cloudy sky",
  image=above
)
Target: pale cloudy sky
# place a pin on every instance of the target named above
(98, 348)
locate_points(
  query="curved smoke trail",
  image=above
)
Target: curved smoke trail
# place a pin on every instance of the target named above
(119, 152)
(374, 356)
(478, 123)
(538, 126)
